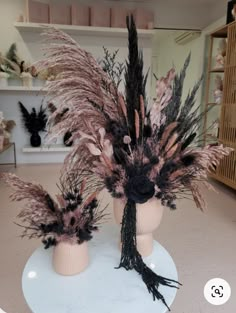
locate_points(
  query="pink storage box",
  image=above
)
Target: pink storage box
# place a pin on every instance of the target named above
(60, 14)
(118, 17)
(143, 18)
(100, 16)
(37, 12)
(80, 15)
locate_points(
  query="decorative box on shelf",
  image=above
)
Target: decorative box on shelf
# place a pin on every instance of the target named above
(118, 17)
(144, 19)
(80, 14)
(37, 12)
(60, 14)
(100, 16)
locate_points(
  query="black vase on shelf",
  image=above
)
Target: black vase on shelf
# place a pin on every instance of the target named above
(34, 122)
(66, 139)
(35, 140)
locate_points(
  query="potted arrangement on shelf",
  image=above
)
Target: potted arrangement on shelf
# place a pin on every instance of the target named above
(21, 73)
(4, 73)
(34, 123)
(66, 223)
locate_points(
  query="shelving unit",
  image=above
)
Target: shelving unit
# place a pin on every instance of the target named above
(82, 30)
(217, 70)
(46, 148)
(212, 103)
(226, 171)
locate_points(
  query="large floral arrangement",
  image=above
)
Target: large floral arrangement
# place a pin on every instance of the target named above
(137, 149)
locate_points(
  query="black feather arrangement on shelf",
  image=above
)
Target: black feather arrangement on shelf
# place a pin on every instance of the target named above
(34, 122)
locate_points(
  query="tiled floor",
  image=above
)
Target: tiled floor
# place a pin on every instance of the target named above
(201, 244)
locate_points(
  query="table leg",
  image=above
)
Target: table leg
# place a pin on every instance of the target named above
(14, 147)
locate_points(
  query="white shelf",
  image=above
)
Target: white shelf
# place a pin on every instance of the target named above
(48, 148)
(22, 88)
(83, 30)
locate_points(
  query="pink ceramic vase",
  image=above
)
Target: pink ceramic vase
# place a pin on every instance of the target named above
(70, 259)
(148, 218)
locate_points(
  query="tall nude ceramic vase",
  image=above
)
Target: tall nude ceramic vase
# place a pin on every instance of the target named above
(4, 79)
(70, 259)
(27, 80)
(148, 218)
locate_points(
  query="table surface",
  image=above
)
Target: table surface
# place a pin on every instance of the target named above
(101, 288)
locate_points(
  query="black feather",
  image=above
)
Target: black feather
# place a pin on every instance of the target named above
(135, 81)
(172, 109)
(188, 160)
(188, 141)
(34, 122)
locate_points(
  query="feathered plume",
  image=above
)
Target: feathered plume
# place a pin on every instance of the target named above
(34, 121)
(135, 81)
(96, 101)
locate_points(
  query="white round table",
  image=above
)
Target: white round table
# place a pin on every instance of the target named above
(99, 289)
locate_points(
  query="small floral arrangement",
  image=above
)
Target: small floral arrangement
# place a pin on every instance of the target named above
(138, 150)
(14, 65)
(72, 217)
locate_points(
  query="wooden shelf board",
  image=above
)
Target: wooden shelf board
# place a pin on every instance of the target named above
(228, 143)
(212, 136)
(213, 103)
(223, 180)
(46, 148)
(83, 30)
(221, 32)
(22, 88)
(217, 70)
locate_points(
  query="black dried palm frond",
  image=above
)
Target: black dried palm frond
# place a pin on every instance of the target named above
(12, 54)
(33, 122)
(113, 68)
(42, 118)
(131, 258)
(172, 109)
(189, 102)
(135, 81)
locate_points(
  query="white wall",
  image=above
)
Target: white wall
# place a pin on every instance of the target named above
(188, 14)
(29, 47)
(167, 53)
